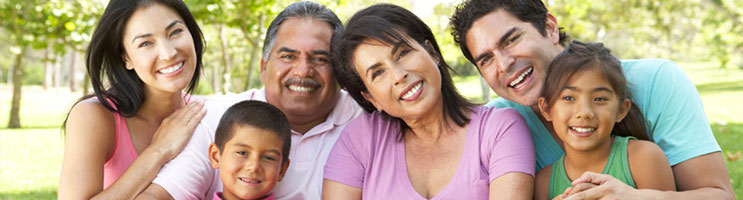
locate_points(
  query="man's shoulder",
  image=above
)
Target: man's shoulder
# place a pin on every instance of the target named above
(501, 102)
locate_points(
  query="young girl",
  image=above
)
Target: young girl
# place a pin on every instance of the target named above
(142, 56)
(586, 98)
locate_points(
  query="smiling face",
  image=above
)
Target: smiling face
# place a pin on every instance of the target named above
(250, 163)
(298, 75)
(512, 55)
(402, 80)
(159, 48)
(585, 112)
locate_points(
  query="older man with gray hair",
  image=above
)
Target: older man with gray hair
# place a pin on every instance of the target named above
(298, 79)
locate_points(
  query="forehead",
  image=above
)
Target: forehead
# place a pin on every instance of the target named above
(254, 137)
(489, 28)
(305, 33)
(590, 77)
(149, 19)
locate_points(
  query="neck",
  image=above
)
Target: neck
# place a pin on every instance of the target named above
(302, 126)
(432, 125)
(159, 105)
(579, 161)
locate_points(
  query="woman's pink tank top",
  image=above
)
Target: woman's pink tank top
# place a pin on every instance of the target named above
(124, 153)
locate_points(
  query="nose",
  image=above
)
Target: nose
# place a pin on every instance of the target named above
(400, 75)
(166, 51)
(503, 60)
(303, 67)
(252, 165)
(585, 111)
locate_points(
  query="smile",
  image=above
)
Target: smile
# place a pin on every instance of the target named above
(412, 91)
(298, 88)
(250, 181)
(171, 69)
(582, 130)
(519, 81)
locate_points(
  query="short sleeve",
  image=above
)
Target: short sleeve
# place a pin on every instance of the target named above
(673, 108)
(507, 146)
(347, 160)
(190, 175)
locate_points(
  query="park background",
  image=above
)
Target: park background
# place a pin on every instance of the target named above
(43, 42)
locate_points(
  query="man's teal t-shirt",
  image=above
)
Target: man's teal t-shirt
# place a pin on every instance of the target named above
(668, 100)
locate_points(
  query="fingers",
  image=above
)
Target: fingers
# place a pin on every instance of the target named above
(592, 192)
(579, 188)
(591, 177)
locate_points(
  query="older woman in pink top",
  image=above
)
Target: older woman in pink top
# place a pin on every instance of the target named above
(142, 56)
(420, 139)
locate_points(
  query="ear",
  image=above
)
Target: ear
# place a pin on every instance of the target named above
(129, 65)
(371, 100)
(624, 109)
(263, 71)
(284, 167)
(542, 104)
(214, 155)
(431, 51)
(552, 29)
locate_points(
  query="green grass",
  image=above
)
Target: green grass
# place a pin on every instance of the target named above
(30, 158)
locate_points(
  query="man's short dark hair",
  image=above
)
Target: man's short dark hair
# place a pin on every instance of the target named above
(532, 11)
(257, 114)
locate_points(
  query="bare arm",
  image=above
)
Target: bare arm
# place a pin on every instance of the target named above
(703, 177)
(335, 190)
(649, 166)
(90, 140)
(513, 185)
(542, 185)
(154, 191)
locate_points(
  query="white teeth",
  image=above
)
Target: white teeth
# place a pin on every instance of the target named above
(582, 130)
(521, 77)
(301, 88)
(171, 69)
(250, 181)
(412, 91)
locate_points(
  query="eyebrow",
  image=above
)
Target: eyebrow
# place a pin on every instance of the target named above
(284, 49)
(321, 52)
(598, 89)
(248, 146)
(168, 27)
(500, 41)
(372, 67)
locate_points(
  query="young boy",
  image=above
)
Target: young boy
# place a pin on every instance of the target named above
(251, 150)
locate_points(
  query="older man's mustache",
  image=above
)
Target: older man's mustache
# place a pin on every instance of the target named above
(302, 82)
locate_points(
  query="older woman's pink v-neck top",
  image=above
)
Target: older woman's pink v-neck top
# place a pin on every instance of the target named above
(368, 155)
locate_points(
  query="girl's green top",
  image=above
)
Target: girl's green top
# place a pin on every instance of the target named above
(616, 166)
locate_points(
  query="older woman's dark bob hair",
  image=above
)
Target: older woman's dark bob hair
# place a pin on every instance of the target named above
(392, 25)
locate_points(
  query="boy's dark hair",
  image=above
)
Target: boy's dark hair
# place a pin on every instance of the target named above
(257, 114)
(392, 25)
(581, 56)
(532, 11)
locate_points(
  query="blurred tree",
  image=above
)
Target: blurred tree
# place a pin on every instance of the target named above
(23, 23)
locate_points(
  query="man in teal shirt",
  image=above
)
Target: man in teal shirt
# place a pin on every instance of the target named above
(512, 43)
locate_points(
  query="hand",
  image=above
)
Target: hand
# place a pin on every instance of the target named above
(598, 186)
(175, 130)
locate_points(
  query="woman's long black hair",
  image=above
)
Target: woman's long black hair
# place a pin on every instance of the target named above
(105, 56)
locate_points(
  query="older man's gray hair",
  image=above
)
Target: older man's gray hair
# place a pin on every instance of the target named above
(300, 10)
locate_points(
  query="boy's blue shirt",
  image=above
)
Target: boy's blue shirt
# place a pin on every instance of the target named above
(668, 100)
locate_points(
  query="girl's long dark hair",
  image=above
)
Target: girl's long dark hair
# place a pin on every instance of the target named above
(105, 56)
(393, 25)
(581, 56)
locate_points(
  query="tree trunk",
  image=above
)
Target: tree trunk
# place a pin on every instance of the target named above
(48, 67)
(225, 61)
(251, 63)
(57, 70)
(15, 105)
(73, 81)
